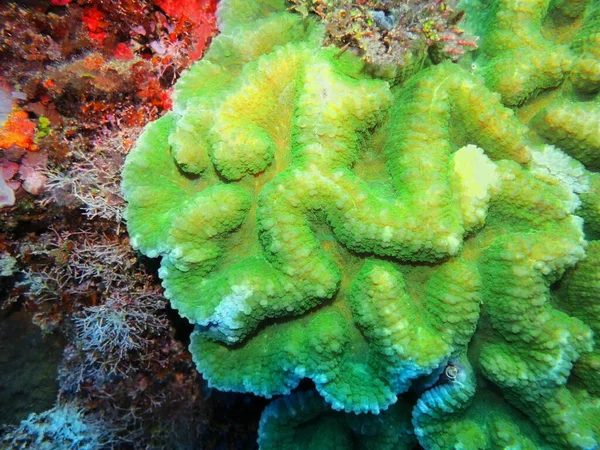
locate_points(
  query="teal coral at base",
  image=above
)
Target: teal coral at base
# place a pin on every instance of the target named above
(303, 420)
(424, 250)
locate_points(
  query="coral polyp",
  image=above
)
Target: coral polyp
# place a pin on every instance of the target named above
(377, 235)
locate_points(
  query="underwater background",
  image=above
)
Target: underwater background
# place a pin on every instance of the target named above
(299, 224)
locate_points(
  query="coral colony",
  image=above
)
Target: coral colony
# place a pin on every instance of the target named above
(78, 82)
(382, 216)
(321, 215)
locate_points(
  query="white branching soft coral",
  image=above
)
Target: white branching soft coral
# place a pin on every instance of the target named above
(44, 284)
(92, 255)
(107, 333)
(91, 183)
(70, 265)
(64, 427)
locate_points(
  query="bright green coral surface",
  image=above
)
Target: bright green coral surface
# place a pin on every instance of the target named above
(436, 235)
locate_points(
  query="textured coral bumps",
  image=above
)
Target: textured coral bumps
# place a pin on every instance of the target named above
(376, 236)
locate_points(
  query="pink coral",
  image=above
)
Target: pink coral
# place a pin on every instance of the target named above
(21, 169)
(7, 195)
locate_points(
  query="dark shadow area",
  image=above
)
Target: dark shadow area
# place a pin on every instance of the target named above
(234, 420)
(183, 328)
(28, 366)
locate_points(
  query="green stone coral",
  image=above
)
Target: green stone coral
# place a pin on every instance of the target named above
(316, 222)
